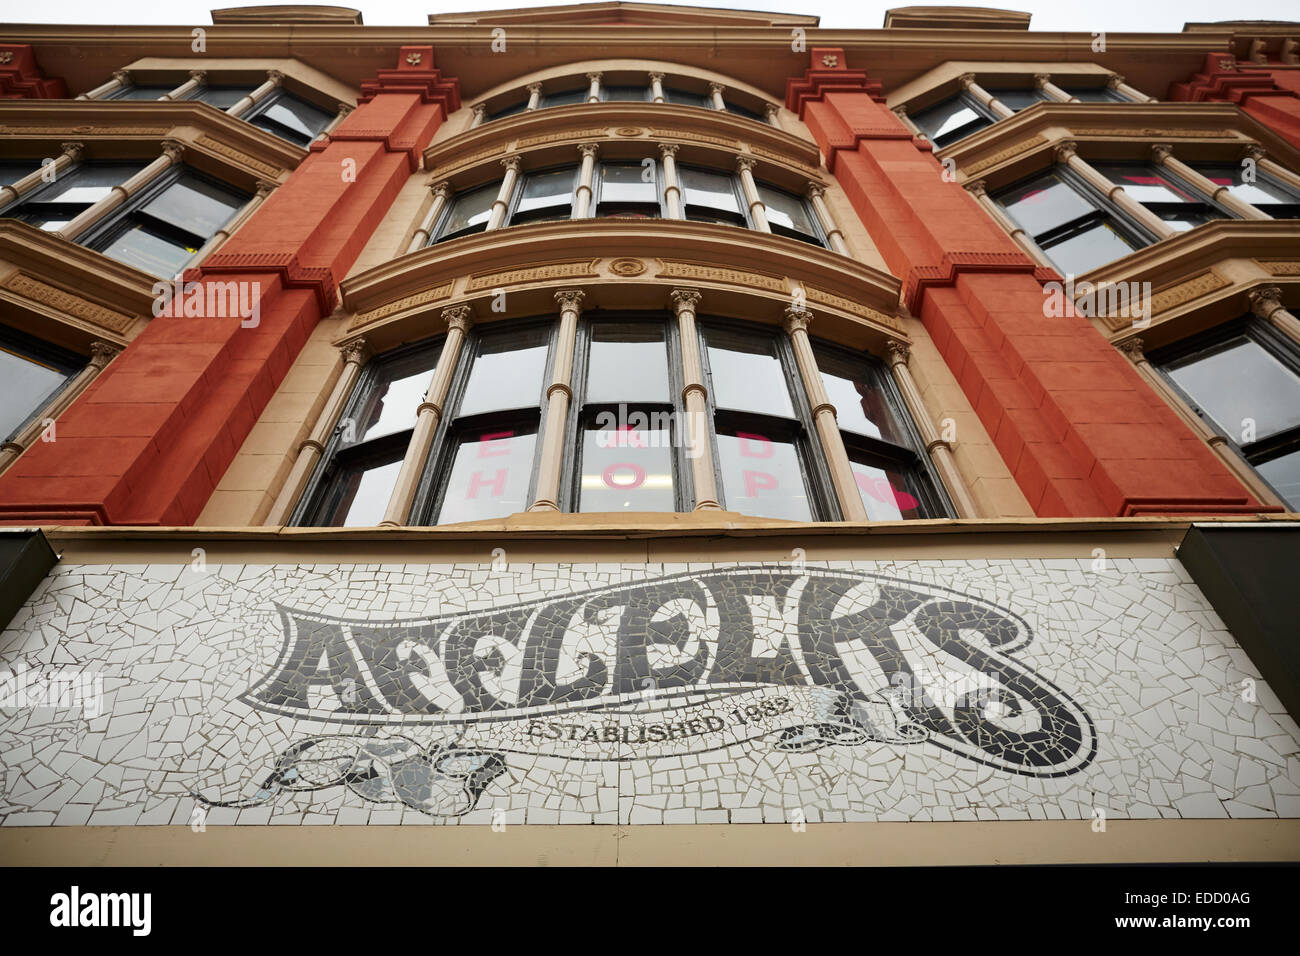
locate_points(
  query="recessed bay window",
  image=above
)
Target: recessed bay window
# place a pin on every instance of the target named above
(32, 373)
(1075, 229)
(1177, 204)
(952, 119)
(1243, 378)
(56, 204)
(468, 212)
(1258, 188)
(1018, 98)
(289, 117)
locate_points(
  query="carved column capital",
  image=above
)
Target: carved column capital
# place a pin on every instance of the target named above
(656, 77)
(1255, 152)
(479, 109)
(534, 88)
(199, 75)
(900, 353)
(355, 352)
(1042, 79)
(570, 299)
(344, 110)
(815, 190)
(685, 299)
(265, 188)
(595, 76)
(1161, 151)
(589, 149)
(1113, 81)
(669, 149)
(511, 163)
(797, 319)
(976, 187)
(101, 353)
(744, 164)
(458, 317)
(122, 76)
(275, 76)
(173, 149)
(441, 189)
(717, 88)
(899, 111)
(771, 110)
(965, 80)
(1065, 150)
(1133, 348)
(73, 150)
(1265, 301)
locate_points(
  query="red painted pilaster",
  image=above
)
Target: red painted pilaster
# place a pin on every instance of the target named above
(148, 441)
(1270, 92)
(21, 78)
(1077, 425)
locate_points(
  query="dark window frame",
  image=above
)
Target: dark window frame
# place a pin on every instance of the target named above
(39, 351)
(956, 135)
(1272, 341)
(444, 218)
(517, 197)
(1201, 205)
(261, 106)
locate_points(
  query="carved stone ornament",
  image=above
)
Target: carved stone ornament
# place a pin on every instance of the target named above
(627, 267)
(685, 299)
(458, 317)
(830, 59)
(414, 58)
(570, 300)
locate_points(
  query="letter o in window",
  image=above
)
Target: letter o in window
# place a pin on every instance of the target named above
(638, 476)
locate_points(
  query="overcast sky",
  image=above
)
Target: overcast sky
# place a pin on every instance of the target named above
(1128, 16)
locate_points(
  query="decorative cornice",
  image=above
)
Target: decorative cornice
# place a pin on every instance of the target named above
(953, 264)
(292, 274)
(69, 303)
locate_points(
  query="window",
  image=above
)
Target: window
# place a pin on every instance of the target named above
(504, 111)
(739, 110)
(222, 97)
(468, 213)
(12, 170)
(628, 189)
(1178, 205)
(1094, 94)
(789, 215)
(1243, 378)
(564, 97)
(365, 453)
(289, 117)
(953, 119)
(482, 462)
(56, 204)
(884, 449)
(546, 196)
(31, 374)
(682, 97)
(764, 457)
(710, 196)
(1075, 231)
(628, 428)
(1019, 98)
(1264, 193)
(626, 94)
(142, 92)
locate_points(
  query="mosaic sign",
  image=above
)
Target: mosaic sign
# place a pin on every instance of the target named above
(626, 694)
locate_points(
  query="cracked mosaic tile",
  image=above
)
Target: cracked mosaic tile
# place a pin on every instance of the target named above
(366, 694)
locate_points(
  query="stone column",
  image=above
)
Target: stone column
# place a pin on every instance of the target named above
(197, 79)
(593, 90)
(967, 81)
(101, 353)
(441, 191)
(219, 237)
(1280, 173)
(757, 211)
(1116, 82)
(499, 205)
(823, 414)
(1240, 469)
(1267, 304)
(936, 447)
(534, 96)
(1162, 153)
(715, 93)
(273, 80)
(344, 111)
(696, 399)
(458, 319)
(354, 354)
(119, 194)
(657, 88)
(1066, 155)
(71, 154)
(672, 188)
(1043, 81)
(121, 79)
(582, 197)
(817, 196)
(773, 114)
(976, 188)
(558, 396)
(478, 114)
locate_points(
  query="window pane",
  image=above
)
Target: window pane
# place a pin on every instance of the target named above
(1144, 184)
(1093, 94)
(687, 98)
(1019, 99)
(705, 188)
(366, 491)
(471, 208)
(26, 384)
(542, 190)
(143, 92)
(510, 110)
(624, 93)
(627, 470)
(1184, 219)
(785, 209)
(860, 403)
(298, 116)
(89, 183)
(742, 110)
(1044, 203)
(565, 97)
(944, 122)
(881, 484)
(627, 363)
(1242, 381)
(761, 476)
(148, 250)
(196, 206)
(747, 375)
(222, 97)
(489, 476)
(1259, 193)
(395, 397)
(627, 182)
(1095, 246)
(1284, 475)
(507, 372)
(13, 170)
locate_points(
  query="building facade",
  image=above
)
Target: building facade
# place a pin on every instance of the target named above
(650, 418)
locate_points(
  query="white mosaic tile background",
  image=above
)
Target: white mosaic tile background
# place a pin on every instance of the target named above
(1137, 646)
